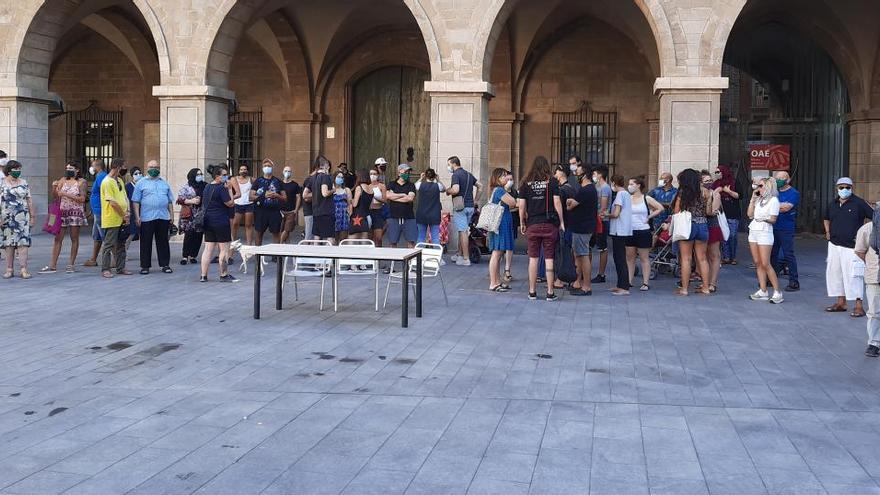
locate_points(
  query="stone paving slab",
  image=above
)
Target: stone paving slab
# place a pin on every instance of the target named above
(158, 384)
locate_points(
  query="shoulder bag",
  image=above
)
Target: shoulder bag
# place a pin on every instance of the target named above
(681, 226)
(725, 227)
(198, 219)
(490, 217)
(458, 200)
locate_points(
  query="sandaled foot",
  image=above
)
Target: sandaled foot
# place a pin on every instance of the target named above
(7, 274)
(645, 288)
(499, 288)
(70, 269)
(857, 314)
(48, 269)
(835, 308)
(507, 276)
(107, 274)
(90, 263)
(25, 274)
(681, 292)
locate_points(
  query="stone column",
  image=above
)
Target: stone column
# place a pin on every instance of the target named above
(24, 136)
(192, 129)
(460, 126)
(689, 122)
(864, 153)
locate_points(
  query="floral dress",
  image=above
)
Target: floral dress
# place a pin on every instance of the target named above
(15, 219)
(186, 193)
(340, 204)
(72, 213)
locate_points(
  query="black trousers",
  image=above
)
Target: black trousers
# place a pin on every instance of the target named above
(155, 229)
(192, 242)
(618, 251)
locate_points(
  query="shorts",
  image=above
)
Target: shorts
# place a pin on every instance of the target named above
(249, 208)
(580, 243)
(377, 220)
(405, 227)
(600, 241)
(715, 233)
(761, 237)
(461, 220)
(267, 218)
(699, 232)
(542, 235)
(640, 239)
(324, 226)
(97, 231)
(218, 233)
(289, 220)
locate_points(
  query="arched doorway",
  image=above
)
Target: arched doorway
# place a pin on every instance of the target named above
(391, 114)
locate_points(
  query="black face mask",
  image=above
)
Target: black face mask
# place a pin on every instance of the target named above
(123, 171)
(69, 173)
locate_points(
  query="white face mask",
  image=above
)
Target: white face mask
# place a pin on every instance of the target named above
(287, 174)
(450, 169)
(595, 178)
(573, 168)
(267, 170)
(509, 184)
(91, 170)
(632, 188)
(136, 177)
(374, 177)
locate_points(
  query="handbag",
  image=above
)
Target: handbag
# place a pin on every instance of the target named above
(681, 226)
(186, 212)
(490, 217)
(198, 219)
(725, 227)
(53, 219)
(564, 262)
(458, 201)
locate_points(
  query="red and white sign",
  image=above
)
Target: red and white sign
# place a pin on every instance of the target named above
(769, 156)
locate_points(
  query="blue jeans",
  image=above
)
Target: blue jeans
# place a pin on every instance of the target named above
(435, 233)
(784, 240)
(728, 247)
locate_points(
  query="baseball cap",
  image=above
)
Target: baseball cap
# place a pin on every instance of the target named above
(403, 168)
(844, 181)
(380, 161)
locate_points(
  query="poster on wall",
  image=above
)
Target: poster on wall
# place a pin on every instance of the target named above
(769, 157)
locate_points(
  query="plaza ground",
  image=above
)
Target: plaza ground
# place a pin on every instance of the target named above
(159, 384)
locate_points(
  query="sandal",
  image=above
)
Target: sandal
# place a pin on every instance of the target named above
(25, 274)
(107, 274)
(857, 314)
(499, 288)
(70, 269)
(835, 309)
(713, 289)
(733, 262)
(47, 269)
(681, 292)
(507, 276)
(167, 269)
(645, 288)
(8, 274)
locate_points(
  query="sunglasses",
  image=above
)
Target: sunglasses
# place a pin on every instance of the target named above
(760, 186)
(841, 188)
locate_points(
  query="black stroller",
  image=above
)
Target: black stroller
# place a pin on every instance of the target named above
(478, 239)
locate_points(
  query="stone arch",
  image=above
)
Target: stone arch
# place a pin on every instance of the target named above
(494, 14)
(423, 18)
(47, 22)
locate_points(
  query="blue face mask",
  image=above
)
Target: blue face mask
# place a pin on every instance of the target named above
(340, 181)
(224, 178)
(200, 178)
(844, 193)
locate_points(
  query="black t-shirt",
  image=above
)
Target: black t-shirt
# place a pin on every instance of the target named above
(307, 205)
(320, 204)
(566, 191)
(732, 208)
(846, 220)
(582, 219)
(349, 179)
(215, 197)
(401, 210)
(539, 201)
(292, 190)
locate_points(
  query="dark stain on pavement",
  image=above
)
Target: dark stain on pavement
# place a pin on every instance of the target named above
(544, 356)
(28, 413)
(327, 357)
(118, 346)
(597, 370)
(404, 361)
(57, 410)
(139, 358)
(351, 360)
(16, 394)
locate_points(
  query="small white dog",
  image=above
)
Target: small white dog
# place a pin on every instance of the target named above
(235, 247)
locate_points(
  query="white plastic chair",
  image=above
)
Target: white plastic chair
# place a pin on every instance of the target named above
(432, 255)
(351, 268)
(308, 268)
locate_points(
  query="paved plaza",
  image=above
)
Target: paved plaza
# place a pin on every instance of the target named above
(161, 385)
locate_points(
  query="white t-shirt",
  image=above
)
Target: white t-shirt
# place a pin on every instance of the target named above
(622, 225)
(770, 208)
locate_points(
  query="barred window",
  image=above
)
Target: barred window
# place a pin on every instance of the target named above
(93, 134)
(589, 134)
(245, 135)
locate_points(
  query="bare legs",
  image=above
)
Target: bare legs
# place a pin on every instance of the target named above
(713, 252)
(494, 265)
(763, 266)
(533, 275)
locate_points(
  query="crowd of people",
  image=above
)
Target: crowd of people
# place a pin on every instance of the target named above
(576, 208)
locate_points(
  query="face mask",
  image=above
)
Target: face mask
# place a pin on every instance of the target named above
(243, 173)
(843, 193)
(573, 168)
(632, 189)
(69, 173)
(153, 172)
(91, 170)
(224, 178)
(374, 177)
(450, 169)
(405, 177)
(267, 170)
(136, 177)
(200, 178)
(287, 174)
(509, 184)
(15, 174)
(340, 181)
(595, 178)
(707, 184)
(780, 183)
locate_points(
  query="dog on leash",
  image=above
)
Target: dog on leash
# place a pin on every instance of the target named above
(235, 247)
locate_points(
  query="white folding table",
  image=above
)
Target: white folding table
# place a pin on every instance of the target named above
(335, 253)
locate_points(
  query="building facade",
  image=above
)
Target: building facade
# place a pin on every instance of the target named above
(634, 84)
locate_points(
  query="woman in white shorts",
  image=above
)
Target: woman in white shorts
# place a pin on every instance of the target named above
(763, 210)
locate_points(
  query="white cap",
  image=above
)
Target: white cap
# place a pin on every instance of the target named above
(381, 161)
(844, 181)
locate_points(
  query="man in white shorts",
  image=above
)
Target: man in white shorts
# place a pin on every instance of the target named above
(843, 219)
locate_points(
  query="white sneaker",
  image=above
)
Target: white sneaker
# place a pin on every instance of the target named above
(777, 298)
(760, 295)
(463, 262)
(454, 258)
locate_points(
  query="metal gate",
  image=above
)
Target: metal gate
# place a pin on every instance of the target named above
(93, 134)
(587, 133)
(245, 139)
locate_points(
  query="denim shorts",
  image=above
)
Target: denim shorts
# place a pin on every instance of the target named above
(462, 219)
(97, 231)
(248, 208)
(405, 228)
(699, 232)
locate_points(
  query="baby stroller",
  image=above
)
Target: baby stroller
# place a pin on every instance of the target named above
(663, 260)
(478, 239)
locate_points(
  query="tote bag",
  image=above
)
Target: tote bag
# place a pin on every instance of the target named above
(490, 217)
(53, 219)
(725, 227)
(681, 226)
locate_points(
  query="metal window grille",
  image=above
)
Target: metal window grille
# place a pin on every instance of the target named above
(587, 133)
(93, 134)
(245, 137)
